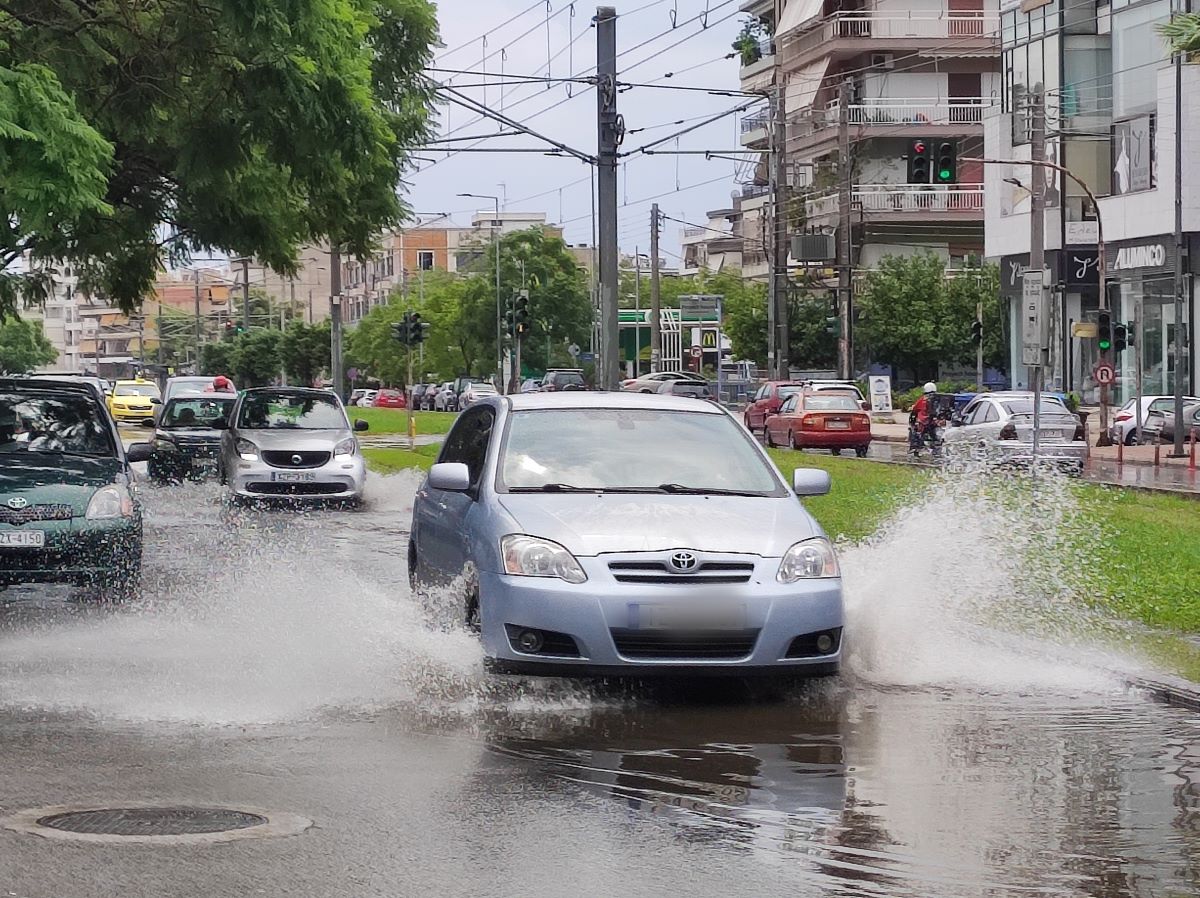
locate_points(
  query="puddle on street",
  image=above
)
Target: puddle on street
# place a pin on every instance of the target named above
(959, 755)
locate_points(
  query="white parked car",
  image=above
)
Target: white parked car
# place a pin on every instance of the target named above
(367, 399)
(445, 399)
(472, 393)
(998, 427)
(1123, 427)
(649, 383)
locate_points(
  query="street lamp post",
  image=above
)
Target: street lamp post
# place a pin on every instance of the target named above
(499, 316)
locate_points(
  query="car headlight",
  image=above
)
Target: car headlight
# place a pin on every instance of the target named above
(346, 447)
(247, 450)
(110, 502)
(809, 560)
(529, 556)
(164, 443)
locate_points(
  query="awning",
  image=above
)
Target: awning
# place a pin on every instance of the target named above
(802, 86)
(796, 14)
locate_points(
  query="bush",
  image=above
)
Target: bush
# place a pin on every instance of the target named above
(906, 400)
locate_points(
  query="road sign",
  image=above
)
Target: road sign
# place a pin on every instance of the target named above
(573, 350)
(1032, 293)
(697, 352)
(1104, 374)
(701, 307)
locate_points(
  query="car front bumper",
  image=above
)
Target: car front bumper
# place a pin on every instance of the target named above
(343, 477)
(133, 415)
(601, 618)
(78, 551)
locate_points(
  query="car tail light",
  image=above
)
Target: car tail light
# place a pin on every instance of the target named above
(810, 421)
(1078, 432)
(1008, 432)
(863, 422)
(1123, 416)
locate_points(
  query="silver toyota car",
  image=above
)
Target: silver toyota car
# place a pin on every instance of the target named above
(596, 534)
(291, 442)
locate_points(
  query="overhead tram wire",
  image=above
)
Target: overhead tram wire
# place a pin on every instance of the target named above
(538, 4)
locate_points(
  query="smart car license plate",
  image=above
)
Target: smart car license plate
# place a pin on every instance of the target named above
(837, 425)
(293, 477)
(687, 617)
(23, 539)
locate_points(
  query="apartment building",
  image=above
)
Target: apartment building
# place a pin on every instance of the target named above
(913, 69)
(713, 247)
(1108, 89)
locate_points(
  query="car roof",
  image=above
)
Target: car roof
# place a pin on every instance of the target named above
(49, 385)
(289, 391)
(615, 400)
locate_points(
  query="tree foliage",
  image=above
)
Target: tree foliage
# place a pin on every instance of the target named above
(249, 127)
(304, 351)
(23, 346)
(912, 316)
(1183, 34)
(251, 359)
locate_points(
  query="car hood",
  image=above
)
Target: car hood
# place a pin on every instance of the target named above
(55, 479)
(190, 434)
(295, 440)
(590, 524)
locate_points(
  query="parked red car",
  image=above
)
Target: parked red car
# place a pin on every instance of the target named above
(390, 399)
(767, 400)
(824, 420)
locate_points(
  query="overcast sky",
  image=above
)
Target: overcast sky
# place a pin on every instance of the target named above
(532, 182)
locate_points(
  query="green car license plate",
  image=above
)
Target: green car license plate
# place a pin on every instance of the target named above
(23, 539)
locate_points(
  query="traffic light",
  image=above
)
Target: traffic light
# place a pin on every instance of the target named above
(947, 163)
(400, 330)
(521, 313)
(1104, 332)
(1120, 337)
(416, 329)
(833, 326)
(977, 332)
(229, 328)
(918, 162)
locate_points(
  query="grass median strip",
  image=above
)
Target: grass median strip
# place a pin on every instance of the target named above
(395, 420)
(389, 461)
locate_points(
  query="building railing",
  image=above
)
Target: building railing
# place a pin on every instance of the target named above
(893, 111)
(689, 233)
(921, 26)
(750, 191)
(909, 199)
(755, 122)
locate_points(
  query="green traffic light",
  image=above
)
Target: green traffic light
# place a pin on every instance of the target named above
(1105, 345)
(944, 174)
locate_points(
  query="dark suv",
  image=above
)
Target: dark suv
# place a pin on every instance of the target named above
(68, 511)
(561, 379)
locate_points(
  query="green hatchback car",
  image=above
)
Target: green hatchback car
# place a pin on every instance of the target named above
(68, 508)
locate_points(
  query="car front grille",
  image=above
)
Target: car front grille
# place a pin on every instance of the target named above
(678, 646)
(660, 572)
(267, 488)
(295, 460)
(30, 513)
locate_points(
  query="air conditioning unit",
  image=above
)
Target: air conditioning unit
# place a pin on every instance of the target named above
(883, 61)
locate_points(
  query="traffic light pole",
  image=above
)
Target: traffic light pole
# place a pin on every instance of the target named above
(845, 242)
(979, 350)
(1037, 258)
(412, 422)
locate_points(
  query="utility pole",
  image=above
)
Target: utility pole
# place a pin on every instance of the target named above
(246, 292)
(1037, 254)
(655, 295)
(610, 129)
(159, 330)
(335, 318)
(199, 337)
(778, 364)
(1181, 366)
(979, 350)
(845, 201)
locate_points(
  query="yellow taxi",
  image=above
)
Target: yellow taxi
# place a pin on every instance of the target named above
(134, 400)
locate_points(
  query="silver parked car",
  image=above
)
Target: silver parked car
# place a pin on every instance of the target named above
(474, 392)
(998, 427)
(446, 398)
(626, 534)
(292, 442)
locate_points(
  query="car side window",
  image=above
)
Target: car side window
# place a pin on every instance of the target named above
(762, 391)
(990, 416)
(788, 406)
(971, 414)
(468, 441)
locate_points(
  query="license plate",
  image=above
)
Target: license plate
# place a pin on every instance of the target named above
(837, 425)
(22, 539)
(293, 477)
(687, 617)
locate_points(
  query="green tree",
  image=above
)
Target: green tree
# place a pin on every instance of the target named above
(255, 359)
(304, 351)
(912, 316)
(23, 346)
(218, 357)
(252, 128)
(1183, 34)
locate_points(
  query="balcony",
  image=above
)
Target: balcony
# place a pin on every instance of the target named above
(754, 128)
(758, 73)
(846, 34)
(931, 117)
(904, 202)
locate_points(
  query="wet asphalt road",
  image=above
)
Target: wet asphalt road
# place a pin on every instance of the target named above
(278, 661)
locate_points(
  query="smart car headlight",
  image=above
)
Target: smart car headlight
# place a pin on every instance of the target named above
(811, 559)
(346, 447)
(530, 556)
(247, 450)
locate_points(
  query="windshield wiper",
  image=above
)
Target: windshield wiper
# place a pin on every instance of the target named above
(681, 490)
(554, 488)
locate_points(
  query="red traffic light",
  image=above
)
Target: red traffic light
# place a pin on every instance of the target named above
(918, 146)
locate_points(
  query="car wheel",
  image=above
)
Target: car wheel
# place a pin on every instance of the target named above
(861, 451)
(835, 451)
(792, 441)
(767, 438)
(473, 618)
(1131, 439)
(412, 566)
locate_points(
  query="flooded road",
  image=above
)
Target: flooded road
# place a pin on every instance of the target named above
(279, 661)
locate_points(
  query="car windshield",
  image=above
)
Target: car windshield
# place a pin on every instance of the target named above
(1025, 407)
(287, 412)
(65, 423)
(831, 402)
(632, 450)
(184, 413)
(566, 377)
(136, 390)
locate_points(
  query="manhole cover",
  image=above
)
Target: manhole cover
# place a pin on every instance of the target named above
(151, 821)
(155, 824)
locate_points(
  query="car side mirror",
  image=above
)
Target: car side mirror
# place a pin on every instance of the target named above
(360, 426)
(866, 406)
(451, 476)
(811, 482)
(155, 400)
(138, 452)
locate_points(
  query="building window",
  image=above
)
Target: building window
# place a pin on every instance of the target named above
(1133, 158)
(1136, 46)
(425, 260)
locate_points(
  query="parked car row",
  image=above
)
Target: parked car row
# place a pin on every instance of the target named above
(1154, 410)
(385, 398)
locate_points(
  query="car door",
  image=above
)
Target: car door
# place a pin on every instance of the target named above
(961, 433)
(755, 414)
(441, 520)
(780, 422)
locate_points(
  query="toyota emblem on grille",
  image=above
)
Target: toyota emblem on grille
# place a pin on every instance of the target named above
(297, 459)
(683, 562)
(17, 502)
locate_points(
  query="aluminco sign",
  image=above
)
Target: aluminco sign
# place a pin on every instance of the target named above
(1152, 255)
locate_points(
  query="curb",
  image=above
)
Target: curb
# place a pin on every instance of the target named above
(1178, 695)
